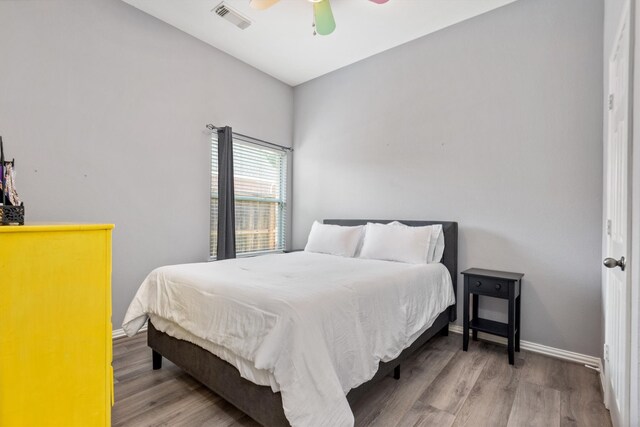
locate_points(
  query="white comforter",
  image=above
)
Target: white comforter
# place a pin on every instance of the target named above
(319, 324)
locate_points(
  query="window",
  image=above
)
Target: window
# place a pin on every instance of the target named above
(260, 180)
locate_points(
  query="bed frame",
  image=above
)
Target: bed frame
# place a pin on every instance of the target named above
(260, 402)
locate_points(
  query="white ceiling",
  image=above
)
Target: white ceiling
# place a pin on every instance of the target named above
(280, 40)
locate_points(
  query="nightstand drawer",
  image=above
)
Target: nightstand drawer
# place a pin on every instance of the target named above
(490, 287)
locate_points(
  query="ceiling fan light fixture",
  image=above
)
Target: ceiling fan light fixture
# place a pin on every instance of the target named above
(262, 4)
(323, 21)
(323, 16)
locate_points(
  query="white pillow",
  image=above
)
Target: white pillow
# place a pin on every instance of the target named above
(395, 242)
(431, 240)
(436, 240)
(438, 247)
(334, 239)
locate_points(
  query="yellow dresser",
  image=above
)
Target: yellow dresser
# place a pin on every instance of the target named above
(55, 326)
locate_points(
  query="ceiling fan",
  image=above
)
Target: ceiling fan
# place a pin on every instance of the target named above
(324, 23)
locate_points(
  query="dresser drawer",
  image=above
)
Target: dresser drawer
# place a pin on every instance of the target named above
(487, 286)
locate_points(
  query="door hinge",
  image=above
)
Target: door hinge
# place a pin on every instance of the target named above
(606, 352)
(608, 227)
(610, 102)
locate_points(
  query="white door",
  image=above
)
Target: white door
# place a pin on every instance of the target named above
(617, 284)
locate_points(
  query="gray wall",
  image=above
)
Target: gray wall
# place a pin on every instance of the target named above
(104, 109)
(495, 123)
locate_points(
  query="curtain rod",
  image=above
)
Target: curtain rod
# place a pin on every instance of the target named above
(267, 143)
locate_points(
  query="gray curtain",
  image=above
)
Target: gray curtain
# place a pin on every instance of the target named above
(226, 196)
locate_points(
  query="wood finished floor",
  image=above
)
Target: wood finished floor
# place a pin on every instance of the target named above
(440, 386)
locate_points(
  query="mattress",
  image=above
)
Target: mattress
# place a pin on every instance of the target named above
(311, 326)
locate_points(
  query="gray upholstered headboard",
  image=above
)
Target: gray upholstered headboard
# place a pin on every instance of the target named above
(449, 258)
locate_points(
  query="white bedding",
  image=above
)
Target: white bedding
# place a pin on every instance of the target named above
(311, 326)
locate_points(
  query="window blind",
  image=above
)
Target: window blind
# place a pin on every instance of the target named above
(260, 180)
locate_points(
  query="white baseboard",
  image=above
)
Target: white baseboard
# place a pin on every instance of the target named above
(538, 348)
(119, 333)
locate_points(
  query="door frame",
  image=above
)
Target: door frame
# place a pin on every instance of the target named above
(629, 12)
(634, 215)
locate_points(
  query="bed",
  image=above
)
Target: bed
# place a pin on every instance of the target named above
(249, 361)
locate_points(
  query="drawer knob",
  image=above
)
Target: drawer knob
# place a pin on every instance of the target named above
(478, 283)
(498, 286)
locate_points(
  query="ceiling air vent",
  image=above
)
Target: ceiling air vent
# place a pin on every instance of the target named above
(224, 11)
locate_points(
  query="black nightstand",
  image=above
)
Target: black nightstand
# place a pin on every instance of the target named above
(497, 284)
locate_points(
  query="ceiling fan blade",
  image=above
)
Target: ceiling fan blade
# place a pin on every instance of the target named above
(262, 4)
(379, 1)
(325, 24)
